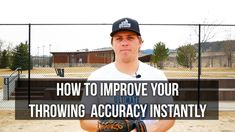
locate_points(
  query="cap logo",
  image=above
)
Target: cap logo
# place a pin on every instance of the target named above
(125, 24)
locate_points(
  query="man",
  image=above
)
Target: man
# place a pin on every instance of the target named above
(126, 42)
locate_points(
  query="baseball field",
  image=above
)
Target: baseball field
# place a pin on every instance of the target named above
(224, 124)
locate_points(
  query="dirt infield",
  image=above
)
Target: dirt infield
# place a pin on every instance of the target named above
(9, 124)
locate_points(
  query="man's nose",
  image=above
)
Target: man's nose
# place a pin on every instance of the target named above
(124, 42)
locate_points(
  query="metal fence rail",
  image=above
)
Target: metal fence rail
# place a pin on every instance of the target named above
(10, 83)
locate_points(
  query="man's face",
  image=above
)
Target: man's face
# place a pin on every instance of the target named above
(126, 45)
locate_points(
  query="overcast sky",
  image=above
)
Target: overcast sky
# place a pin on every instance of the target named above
(72, 38)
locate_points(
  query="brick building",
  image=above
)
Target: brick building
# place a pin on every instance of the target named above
(71, 59)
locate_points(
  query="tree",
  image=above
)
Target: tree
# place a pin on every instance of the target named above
(20, 57)
(5, 54)
(50, 61)
(9, 53)
(4, 59)
(1, 44)
(228, 50)
(186, 55)
(160, 54)
(207, 33)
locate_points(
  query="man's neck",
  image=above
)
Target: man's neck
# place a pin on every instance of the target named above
(127, 68)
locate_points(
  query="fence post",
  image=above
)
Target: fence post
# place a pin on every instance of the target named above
(199, 65)
(6, 83)
(29, 62)
(19, 72)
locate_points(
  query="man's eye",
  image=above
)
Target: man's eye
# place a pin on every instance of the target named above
(119, 39)
(130, 38)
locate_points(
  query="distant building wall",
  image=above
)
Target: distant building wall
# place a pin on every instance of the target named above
(60, 58)
(208, 59)
(100, 57)
(71, 59)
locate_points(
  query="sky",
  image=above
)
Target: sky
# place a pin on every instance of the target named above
(72, 38)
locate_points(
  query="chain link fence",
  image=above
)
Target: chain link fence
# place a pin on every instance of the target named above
(79, 49)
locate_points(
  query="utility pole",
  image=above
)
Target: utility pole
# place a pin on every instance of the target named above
(43, 63)
(49, 49)
(38, 57)
(49, 57)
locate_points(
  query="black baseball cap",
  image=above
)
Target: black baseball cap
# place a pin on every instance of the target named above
(125, 24)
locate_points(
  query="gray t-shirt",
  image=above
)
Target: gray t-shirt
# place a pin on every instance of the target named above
(110, 73)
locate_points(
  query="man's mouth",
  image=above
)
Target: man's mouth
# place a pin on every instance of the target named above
(125, 50)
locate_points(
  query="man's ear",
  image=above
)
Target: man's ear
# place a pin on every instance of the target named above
(112, 45)
(111, 41)
(141, 42)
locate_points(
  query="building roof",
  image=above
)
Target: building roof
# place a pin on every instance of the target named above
(76, 52)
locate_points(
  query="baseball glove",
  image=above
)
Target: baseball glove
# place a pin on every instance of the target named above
(112, 125)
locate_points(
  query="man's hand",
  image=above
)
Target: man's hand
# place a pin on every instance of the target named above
(109, 125)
